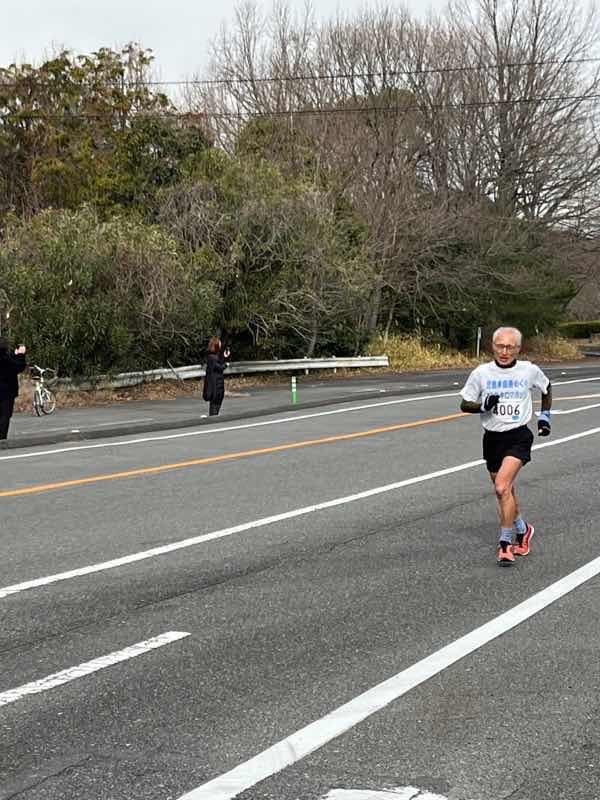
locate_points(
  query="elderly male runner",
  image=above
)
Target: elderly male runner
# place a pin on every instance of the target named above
(501, 392)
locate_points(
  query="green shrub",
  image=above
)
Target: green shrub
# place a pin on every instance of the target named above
(89, 296)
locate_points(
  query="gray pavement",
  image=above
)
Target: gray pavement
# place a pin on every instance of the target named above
(289, 620)
(136, 417)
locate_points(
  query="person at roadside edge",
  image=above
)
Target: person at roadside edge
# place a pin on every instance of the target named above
(501, 392)
(10, 367)
(213, 390)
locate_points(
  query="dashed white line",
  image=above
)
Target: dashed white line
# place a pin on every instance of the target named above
(575, 380)
(579, 397)
(575, 410)
(72, 673)
(401, 793)
(300, 744)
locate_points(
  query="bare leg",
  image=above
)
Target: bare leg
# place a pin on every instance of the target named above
(508, 504)
(515, 498)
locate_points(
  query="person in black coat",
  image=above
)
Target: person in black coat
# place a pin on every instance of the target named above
(213, 390)
(10, 366)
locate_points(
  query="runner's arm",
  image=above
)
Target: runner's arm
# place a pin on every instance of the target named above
(547, 399)
(470, 407)
(544, 425)
(470, 395)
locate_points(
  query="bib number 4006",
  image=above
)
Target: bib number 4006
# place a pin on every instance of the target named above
(507, 410)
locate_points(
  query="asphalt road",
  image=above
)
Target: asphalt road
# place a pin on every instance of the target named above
(285, 611)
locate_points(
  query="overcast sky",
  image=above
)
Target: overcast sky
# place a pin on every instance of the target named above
(178, 31)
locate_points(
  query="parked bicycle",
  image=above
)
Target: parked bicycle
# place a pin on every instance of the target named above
(44, 401)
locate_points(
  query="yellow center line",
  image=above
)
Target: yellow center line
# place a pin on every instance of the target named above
(196, 462)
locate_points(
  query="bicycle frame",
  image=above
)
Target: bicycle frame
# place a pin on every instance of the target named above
(44, 401)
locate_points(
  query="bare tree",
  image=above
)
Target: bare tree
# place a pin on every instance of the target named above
(536, 92)
(419, 126)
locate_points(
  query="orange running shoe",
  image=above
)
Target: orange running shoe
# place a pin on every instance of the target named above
(522, 548)
(505, 557)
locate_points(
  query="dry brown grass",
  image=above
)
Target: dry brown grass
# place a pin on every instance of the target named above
(552, 348)
(158, 390)
(163, 390)
(409, 353)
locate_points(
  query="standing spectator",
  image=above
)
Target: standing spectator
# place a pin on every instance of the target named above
(214, 382)
(10, 366)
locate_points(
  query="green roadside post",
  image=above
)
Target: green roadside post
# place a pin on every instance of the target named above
(294, 391)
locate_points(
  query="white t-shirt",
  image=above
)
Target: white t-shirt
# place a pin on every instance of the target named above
(513, 384)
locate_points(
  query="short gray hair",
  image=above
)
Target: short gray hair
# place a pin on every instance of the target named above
(504, 329)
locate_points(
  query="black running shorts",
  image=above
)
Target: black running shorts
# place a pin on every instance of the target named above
(498, 444)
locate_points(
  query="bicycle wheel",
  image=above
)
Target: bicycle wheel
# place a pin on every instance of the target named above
(37, 402)
(48, 401)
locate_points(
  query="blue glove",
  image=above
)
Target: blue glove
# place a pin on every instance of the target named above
(544, 424)
(490, 402)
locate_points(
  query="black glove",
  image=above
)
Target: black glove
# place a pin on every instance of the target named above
(490, 402)
(544, 424)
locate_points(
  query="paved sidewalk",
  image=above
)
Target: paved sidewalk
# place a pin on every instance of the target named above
(137, 417)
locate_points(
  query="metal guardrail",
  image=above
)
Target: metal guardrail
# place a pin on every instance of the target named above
(125, 379)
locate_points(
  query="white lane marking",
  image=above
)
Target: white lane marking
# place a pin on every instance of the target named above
(122, 422)
(72, 673)
(261, 522)
(99, 425)
(204, 432)
(207, 431)
(401, 793)
(578, 397)
(220, 534)
(575, 410)
(576, 380)
(308, 739)
(245, 426)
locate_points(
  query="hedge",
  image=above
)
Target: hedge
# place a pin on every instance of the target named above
(579, 329)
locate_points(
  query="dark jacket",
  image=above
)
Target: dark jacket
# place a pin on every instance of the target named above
(214, 381)
(10, 366)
